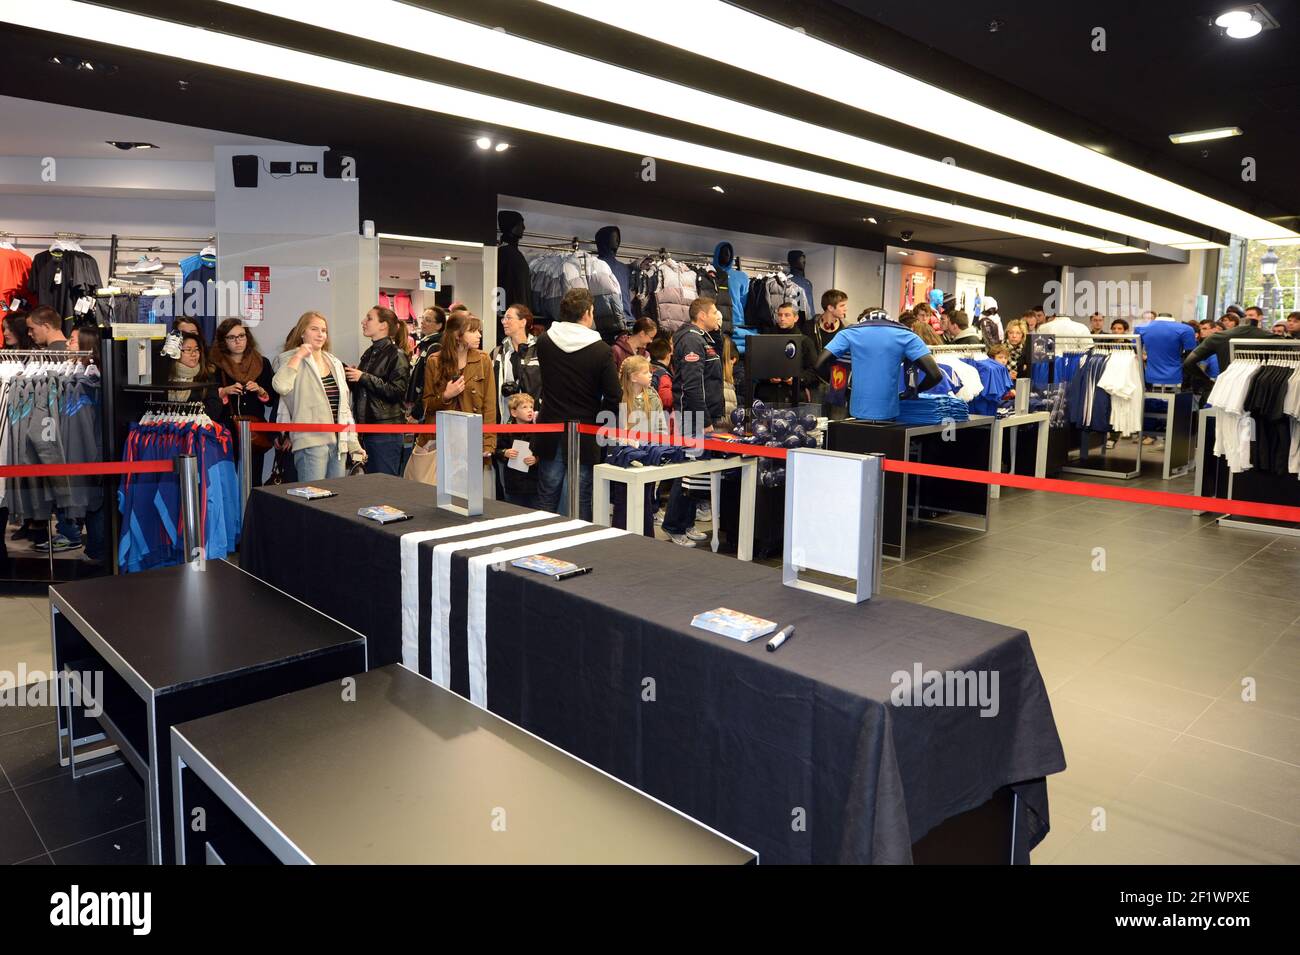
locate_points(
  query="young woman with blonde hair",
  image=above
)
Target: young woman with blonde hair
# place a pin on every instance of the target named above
(313, 387)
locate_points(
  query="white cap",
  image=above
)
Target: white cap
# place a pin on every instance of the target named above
(988, 302)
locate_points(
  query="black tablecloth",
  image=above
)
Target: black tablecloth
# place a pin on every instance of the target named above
(799, 754)
(345, 566)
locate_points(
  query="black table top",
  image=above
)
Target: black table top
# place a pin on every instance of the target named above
(174, 627)
(410, 773)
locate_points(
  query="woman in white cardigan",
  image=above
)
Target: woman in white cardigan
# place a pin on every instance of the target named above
(314, 390)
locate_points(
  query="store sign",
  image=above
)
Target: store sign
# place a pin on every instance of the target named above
(253, 307)
(260, 275)
(430, 274)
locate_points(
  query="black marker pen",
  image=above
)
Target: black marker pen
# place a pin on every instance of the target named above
(578, 572)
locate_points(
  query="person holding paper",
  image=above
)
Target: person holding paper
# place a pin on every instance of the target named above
(515, 464)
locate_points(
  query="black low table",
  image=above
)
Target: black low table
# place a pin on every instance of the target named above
(401, 771)
(800, 754)
(178, 643)
(969, 444)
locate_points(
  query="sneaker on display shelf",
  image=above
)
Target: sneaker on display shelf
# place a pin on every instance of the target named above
(680, 540)
(146, 264)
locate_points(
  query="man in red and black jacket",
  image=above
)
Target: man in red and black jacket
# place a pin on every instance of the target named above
(697, 389)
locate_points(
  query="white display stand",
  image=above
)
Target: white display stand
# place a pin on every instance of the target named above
(833, 509)
(460, 462)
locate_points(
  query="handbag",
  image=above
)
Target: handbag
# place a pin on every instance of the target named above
(423, 464)
(279, 467)
(261, 440)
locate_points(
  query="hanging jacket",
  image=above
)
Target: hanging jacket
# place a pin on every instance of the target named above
(737, 282)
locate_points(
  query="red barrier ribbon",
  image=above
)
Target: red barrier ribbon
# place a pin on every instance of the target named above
(92, 468)
(277, 427)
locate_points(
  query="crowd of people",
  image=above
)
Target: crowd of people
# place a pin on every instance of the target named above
(652, 381)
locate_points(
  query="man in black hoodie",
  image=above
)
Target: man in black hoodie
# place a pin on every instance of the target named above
(578, 382)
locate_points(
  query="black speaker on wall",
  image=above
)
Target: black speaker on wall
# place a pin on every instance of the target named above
(445, 296)
(245, 170)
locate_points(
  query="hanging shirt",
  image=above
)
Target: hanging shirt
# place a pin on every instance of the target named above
(1165, 341)
(876, 350)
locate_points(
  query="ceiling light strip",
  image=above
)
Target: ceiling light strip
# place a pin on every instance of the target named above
(389, 23)
(195, 45)
(775, 51)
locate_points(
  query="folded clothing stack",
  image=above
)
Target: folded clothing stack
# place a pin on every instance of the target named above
(934, 410)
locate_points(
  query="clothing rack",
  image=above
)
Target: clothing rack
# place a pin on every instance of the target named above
(547, 242)
(1108, 343)
(959, 349)
(51, 354)
(1252, 485)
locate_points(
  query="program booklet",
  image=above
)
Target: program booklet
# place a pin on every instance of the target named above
(733, 623)
(551, 566)
(311, 493)
(383, 513)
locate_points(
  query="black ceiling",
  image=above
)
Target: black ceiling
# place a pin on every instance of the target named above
(419, 170)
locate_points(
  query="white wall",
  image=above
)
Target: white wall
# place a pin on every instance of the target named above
(1173, 288)
(857, 273)
(296, 225)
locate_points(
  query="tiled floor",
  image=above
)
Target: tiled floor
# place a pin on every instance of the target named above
(1144, 646)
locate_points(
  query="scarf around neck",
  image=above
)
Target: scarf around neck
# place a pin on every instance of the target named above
(243, 370)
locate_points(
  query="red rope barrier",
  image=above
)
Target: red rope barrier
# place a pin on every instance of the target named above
(93, 468)
(1276, 512)
(277, 427)
(678, 441)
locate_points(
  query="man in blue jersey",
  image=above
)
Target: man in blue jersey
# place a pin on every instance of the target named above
(877, 347)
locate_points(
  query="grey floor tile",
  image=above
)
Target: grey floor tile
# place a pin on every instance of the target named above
(1201, 670)
(1154, 822)
(1245, 726)
(1130, 696)
(1254, 605)
(1243, 779)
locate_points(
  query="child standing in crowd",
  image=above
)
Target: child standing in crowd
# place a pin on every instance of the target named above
(661, 372)
(520, 486)
(641, 413)
(1002, 355)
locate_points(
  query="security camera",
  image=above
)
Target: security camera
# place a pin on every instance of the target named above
(906, 235)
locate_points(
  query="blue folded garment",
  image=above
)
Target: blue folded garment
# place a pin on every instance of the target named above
(934, 410)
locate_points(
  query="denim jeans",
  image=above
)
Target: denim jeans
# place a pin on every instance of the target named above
(553, 485)
(385, 453)
(318, 463)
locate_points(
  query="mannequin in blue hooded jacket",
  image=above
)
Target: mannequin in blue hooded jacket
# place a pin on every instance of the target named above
(724, 261)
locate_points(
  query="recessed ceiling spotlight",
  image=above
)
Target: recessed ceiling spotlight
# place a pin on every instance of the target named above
(502, 147)
(1015, 270)
(942, 259)
(718, 189)
(125, 145)
(446, 258)
(56, 60)
(1047, 255)
(483, 143)
(183, 85)
(904, 253)
(1202, 135)
(871, 219)
(1232, 18)
(1244, 31)
(86, 65)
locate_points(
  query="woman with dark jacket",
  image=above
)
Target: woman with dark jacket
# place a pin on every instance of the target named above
(245, 392)
(190, 371)
(379, 387)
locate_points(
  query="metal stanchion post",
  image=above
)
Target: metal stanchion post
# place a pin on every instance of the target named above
(245, 463)
(877, 463)
(187, 469)
(573, 464)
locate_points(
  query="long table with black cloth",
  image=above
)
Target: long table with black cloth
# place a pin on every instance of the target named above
(800, 754)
